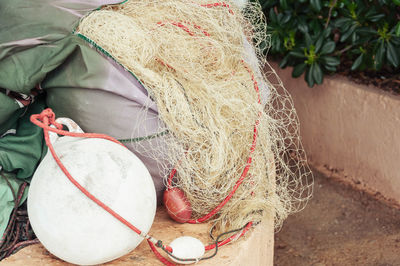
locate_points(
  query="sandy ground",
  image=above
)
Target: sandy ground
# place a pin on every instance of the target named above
(340, 226)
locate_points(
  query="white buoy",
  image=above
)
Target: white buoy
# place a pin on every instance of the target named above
(187, 247)
(73, 227)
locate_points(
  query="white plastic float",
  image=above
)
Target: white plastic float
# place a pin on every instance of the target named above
(70, 225)
(186, 247)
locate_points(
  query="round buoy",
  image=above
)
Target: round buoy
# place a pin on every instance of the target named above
(177, 205)
(69, 224)
(187, 247)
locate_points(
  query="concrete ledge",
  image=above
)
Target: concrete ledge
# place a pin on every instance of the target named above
(350, 130)
(256, 248)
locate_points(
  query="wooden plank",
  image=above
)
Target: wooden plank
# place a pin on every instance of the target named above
(256, 248)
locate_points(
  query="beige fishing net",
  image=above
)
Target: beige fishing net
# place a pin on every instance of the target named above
(199, 61)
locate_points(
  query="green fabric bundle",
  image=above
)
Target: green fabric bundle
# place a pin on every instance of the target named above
(36, 39)
(19, 155)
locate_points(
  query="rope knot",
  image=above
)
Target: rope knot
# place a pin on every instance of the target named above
(159, 244)
(46, 118)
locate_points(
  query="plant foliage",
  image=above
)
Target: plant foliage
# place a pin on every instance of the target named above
(314, 36)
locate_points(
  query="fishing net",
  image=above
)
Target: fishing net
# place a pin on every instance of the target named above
(204, 65)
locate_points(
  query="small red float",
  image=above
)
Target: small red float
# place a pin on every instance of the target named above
(178, 206)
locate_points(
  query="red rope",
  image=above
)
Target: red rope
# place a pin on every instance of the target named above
(199, 28)
(223, 4)
(178, 24)
(158, 255)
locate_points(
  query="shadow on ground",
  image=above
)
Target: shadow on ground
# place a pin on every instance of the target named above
(340, 226)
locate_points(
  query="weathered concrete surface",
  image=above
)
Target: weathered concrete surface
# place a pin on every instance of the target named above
(339, 226)
(351, 129)
(256, 248)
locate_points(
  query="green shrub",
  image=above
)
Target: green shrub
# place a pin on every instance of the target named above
(314, 36)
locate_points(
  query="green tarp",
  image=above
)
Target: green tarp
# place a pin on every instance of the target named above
(19, 156)
(36, 39)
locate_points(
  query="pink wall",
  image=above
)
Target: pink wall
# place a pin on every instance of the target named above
(350, 128)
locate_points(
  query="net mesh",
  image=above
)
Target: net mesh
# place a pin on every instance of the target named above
(198, 60)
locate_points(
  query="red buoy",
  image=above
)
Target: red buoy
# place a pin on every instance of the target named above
(178, 206)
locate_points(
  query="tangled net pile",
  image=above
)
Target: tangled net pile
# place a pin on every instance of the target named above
(202, 62)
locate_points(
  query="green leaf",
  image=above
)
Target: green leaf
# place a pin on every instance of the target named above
(297, 54)
(272, 16)
(298, 70)
(302, 24)
(347, 25)
(392, 55)
(376, 17)
(395, 41)
(284, 61)
(309, 78)
(397, 29)
(308, 39)
(279, 18)
(276, 43)
(348, 33)
(303, 28)
(286, 18)
(357, 62)
(379, 55)
(354, 37)
(327, 32)
(330, 61)
(317, 73)
(283, 4)
(318, 43)
(265, 4)
(328, 47)
(330, 68)
(315, 25)
(367, 31)
(316, 5)
(341, 22)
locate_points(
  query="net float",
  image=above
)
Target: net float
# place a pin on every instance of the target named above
(177, 205)
(69, 224)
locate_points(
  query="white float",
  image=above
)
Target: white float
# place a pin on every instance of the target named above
(70, 225)
(186, 247)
